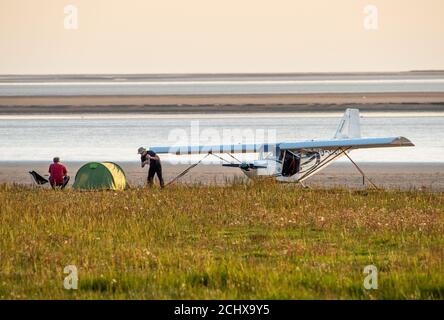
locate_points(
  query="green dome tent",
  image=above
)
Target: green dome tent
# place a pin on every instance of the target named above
(100, 176)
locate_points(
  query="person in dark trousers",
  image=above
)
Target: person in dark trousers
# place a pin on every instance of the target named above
(151, 158)
(58, 174)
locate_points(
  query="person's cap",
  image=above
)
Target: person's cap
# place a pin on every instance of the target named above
(141, 150)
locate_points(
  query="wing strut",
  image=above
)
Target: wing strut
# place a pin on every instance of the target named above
(323, 163)
(180, 175)
(330, 158)
(234, 157)
(361, 172)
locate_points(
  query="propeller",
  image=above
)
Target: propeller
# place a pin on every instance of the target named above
(244, 166)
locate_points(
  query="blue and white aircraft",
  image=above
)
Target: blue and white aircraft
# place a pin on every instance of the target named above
(296, 161)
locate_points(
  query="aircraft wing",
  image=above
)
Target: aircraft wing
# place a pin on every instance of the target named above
(233, 148)
(332, 144)
(354, 143)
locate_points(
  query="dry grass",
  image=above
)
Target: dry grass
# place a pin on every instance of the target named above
(260, 241)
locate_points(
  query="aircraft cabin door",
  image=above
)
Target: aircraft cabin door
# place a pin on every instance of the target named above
(291, 164)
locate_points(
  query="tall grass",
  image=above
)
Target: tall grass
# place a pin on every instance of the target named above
(263, 240)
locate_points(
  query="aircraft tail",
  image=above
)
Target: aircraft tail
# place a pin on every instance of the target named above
(350, 126)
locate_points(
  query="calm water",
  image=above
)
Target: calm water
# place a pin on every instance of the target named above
(219, 84)
(117, 139)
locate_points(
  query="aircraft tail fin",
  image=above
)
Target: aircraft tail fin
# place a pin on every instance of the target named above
(349, 126)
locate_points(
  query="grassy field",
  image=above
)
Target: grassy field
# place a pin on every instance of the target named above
(264, 241)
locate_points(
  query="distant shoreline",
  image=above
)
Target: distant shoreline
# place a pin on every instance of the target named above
(242, 103)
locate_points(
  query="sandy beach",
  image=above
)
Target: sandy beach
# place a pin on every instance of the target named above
(403, 176)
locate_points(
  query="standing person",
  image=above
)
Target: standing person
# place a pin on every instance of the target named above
(151, 158)
(58, 174)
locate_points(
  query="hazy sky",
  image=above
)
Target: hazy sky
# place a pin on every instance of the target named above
(198, 36)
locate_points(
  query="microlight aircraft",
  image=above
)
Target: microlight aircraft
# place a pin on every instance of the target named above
(298, 160)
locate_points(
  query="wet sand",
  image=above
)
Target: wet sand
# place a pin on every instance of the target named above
(268, 103)
(397, 176)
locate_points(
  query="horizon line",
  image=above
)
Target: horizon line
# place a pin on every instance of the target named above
(228, 73)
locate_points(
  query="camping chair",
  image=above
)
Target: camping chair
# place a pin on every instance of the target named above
(38, 179)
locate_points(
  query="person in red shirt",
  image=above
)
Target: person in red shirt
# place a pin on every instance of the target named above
(58, 174)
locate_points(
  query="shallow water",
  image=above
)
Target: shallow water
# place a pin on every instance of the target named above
(117, 138)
